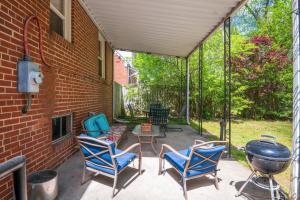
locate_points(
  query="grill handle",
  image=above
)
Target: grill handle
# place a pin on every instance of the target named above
(268, 136)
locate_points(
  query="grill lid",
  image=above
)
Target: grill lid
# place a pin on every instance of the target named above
(268, 149)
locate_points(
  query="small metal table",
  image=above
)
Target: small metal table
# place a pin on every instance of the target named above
(155, 132)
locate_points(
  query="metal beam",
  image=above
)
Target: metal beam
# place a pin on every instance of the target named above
(227, 83)
(295, 189)
(145, 52)
(200, 84)
(187, 90)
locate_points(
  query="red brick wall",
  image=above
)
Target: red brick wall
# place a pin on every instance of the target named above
(71, 84)
(120, 71)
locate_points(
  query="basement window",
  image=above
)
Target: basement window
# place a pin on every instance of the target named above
(101, 56)
(61, 127)
(60, 18)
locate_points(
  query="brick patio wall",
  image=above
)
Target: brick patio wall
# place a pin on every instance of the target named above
(71, 84)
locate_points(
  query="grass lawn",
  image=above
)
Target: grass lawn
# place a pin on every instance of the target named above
(245, 130)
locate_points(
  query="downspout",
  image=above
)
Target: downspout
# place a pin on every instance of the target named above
(187, 90)
(295, 186)
(113, 84)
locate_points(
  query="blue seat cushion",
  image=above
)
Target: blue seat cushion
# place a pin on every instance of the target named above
(122, 162)
(102, 122)
(176, 161)
(198, 169)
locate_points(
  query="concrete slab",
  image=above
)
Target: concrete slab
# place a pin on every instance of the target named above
(150, 185)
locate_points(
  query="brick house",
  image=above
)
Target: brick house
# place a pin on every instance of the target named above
(78, 81)
(121, 70)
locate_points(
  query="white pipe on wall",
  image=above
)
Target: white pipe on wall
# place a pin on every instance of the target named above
(295, 190)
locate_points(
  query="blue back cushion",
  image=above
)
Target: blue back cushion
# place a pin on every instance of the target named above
(90, 124)
(102, 122)
(105, 156)
(213, 153)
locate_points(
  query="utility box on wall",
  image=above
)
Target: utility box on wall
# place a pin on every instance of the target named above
(29, 77)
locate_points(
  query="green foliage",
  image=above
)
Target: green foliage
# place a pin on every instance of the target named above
(261, 68)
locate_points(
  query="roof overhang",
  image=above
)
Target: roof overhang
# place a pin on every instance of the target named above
(164, 27)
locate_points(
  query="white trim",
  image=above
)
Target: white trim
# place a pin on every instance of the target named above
(99, 27)
(54, 9)
(102, 56)
(68, 21)
(67, 29)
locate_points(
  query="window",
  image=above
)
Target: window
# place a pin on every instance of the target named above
(61, 127)
(101, 57)
(60, 18)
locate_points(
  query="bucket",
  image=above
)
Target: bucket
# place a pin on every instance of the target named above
(43, 185)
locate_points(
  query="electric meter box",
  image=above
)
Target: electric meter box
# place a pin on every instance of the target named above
(29, 77)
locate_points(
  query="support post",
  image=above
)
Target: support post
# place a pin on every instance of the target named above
(181, 85)
(227, 84)
(113, 86)
(295, 189)
(200, 84)
(187, 90)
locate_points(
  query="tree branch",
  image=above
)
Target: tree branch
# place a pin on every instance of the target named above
(251, 12)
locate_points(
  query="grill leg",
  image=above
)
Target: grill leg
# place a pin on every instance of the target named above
(271, 188)
(242, 188)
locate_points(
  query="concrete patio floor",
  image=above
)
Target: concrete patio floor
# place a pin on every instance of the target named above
(150, 185)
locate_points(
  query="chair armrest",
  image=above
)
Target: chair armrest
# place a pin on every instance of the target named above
(198, 142)
(136, 145)
(208, 143)
(165, 146)
(84, 130)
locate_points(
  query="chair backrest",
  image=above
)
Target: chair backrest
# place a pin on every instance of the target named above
(159, 116)
(95, 123)
(155, 105)
(97, 152)
(204, 158)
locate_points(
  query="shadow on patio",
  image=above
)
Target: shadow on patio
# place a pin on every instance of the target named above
(151, 186)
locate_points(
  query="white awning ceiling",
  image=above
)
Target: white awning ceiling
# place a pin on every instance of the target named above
(169, 27)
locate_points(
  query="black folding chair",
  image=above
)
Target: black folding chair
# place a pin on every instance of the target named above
(159, 117)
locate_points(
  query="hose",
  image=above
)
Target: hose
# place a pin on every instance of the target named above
(26, 50)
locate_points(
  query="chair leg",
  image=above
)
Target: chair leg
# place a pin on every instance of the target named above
(159, 166)
(140, 163)
(216, 181)
(184, 188)
(83, 175)
(114, 186)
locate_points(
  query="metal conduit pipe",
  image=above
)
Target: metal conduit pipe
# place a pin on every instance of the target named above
(295, 182)
(17, 166)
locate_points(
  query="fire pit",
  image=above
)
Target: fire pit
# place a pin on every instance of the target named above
(266, 157)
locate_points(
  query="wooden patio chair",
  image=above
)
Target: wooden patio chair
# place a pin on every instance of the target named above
(199, 160)
(102, 157)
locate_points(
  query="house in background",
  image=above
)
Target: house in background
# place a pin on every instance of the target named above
(124, 74)
(121, 70)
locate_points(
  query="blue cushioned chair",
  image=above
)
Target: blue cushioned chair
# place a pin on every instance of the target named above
(104, 158)
(97, 126)
(199, 160)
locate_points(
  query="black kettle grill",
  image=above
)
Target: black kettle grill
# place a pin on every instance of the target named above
(266, 157)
